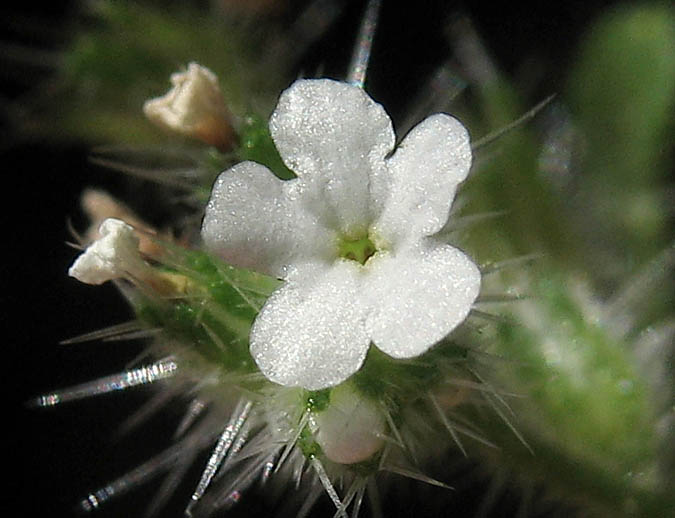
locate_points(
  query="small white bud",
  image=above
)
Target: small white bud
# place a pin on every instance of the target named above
(114, 255)
(99, 205)
(350, 428)
(194, 107)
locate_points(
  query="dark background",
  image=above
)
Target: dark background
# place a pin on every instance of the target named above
(58, 455)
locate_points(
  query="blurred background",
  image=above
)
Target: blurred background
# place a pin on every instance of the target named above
(63, 453)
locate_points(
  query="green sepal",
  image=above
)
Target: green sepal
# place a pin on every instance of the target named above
(214, 316)
(396, 382)
(256, 144)
(318, 400)
(308, 445)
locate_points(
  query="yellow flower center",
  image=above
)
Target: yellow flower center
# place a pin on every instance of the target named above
(359, 250)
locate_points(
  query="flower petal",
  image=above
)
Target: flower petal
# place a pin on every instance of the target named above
(334, 135)
(425, 171)
(418, 297)
(113, 256)
(310, 332)
(254, 220)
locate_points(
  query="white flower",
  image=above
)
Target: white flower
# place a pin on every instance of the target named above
(352, 200)
(193, 107)
(114, 255)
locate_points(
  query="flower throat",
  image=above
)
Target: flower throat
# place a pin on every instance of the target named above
(359, 250)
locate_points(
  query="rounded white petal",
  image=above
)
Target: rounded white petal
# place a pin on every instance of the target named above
(350, 428)
(418, 297)
(335, 136)
(425, 171)
(255, 220)
(112, 256)
(310, 332)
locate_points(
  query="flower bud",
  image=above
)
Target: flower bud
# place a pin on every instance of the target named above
(349, 429)
(99, 205)
(113, 256)
(194, 107)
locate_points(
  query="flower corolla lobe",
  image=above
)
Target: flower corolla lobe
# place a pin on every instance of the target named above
(315, 330)
(114, 255)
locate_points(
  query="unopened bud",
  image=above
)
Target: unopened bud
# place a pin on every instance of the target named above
(99, 206)
(114, 255)
(194, 107)
(350, 428)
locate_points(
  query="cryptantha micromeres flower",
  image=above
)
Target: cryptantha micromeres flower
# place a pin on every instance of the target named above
(352, 236)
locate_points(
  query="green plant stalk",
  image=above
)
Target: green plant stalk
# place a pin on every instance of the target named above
(587, 413)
